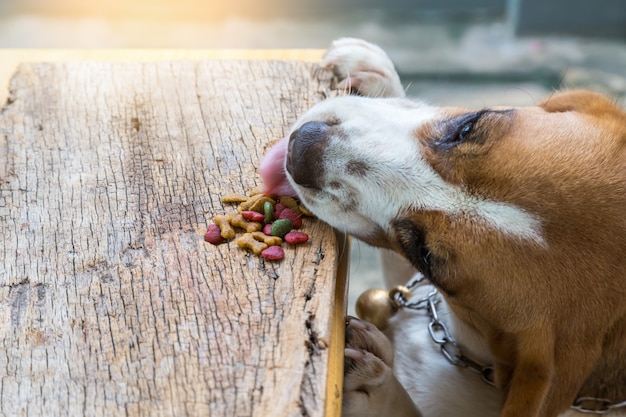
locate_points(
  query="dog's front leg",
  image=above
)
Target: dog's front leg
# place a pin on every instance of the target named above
(523, 370)
(542, 382)
(370, 387)
(528, 389)
(528, 375)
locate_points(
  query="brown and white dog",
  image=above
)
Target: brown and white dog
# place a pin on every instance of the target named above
(516, 215)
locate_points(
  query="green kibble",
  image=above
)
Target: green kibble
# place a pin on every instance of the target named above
(281, 227)
(268, 209)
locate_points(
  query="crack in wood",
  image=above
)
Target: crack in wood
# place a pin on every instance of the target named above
(314, 350)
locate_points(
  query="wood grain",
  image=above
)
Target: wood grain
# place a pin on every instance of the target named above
(11, 58)
(111, 303)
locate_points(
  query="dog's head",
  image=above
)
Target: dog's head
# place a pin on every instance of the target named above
(451, 187)
(516, 214)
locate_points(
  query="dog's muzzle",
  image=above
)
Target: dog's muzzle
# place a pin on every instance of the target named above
(305, 154)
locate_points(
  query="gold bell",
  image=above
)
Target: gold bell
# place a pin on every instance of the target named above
(377, 305)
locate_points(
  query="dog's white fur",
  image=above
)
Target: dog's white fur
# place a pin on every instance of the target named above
(415, 183)
(438, 388)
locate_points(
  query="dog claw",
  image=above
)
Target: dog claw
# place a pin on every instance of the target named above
(356, 323)
(354, 354)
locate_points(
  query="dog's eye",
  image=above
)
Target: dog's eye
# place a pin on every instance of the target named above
(458, 130)
(465, 131)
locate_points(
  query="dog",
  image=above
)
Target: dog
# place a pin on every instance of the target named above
(515, 217)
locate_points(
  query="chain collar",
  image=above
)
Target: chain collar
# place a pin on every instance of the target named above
(451, 350)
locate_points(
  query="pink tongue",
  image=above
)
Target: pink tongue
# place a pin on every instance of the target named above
(272, 170)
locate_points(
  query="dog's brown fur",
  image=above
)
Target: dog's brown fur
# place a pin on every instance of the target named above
(563, 333)
(522, 225)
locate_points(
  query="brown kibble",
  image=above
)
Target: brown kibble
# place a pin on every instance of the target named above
(255, 203)
(268, 240)
(238, 221)
(234, 198)
(289, 202)
(248, 203)
(223, 222)
(305, 211)
(259, 205)
(247, 241)
(255, 191)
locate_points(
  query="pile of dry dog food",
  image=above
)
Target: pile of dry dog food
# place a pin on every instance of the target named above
(267, 221)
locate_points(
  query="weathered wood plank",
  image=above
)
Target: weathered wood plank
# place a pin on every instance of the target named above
(110, 301)
(11, 58)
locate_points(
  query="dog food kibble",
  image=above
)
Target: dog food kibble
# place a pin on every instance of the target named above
(238, 221)
(268, 240)
(256, 203)
(234, 198)
(281, 227)
(296, 238)
(247, 241)
(223, 222)
(305, 211)
(294, 216)
(246, 204)
(266, 222)
(278, 208)
(253, 216)
(273, 253)
(289, 202)
(213, 234)
(268, 210)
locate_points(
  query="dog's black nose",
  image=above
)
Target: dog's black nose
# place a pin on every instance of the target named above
(305, 153)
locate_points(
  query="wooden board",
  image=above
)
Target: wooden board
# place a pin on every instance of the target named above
(111, 303)
(11, 58)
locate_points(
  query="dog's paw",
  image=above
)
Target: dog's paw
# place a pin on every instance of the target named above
(363, 336)
(363, 68)
(367, 368)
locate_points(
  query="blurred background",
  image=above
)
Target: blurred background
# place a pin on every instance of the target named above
(552, 42)
(286, 23)
(470, 53)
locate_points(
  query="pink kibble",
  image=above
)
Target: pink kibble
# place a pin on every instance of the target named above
(296, 237)
(267, 229)
(213, 235)
(294, 216)
(278, 208)
(253, 216)
(273, 253)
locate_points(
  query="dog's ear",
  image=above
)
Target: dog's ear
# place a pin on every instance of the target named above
(412, 241)
(583, 102)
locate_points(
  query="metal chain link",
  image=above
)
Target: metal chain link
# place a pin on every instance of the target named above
(451, 350)
(592, 405)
